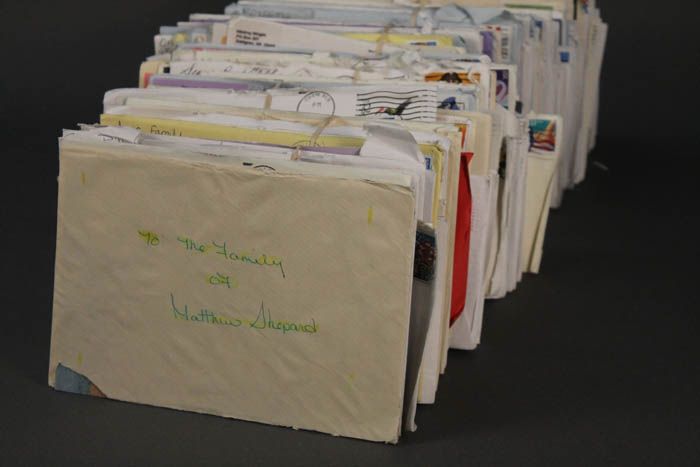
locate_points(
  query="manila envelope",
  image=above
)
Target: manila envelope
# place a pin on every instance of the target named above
(186, 282)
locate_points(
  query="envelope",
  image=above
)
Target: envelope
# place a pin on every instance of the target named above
(268, 34)
(546, 131)
(180, 286)
(416, 102)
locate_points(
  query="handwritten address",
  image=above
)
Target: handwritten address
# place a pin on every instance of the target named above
(263, 321)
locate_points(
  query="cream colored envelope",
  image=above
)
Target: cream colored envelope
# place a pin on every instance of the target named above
(366, 166)
(190, 283)
(541, 170)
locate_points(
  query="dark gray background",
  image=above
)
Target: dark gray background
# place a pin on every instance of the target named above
(594, 361)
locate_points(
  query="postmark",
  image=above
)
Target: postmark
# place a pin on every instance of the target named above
(318, 102)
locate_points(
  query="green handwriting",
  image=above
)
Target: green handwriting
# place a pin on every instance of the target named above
(222, 280)
(263, 321)
(222, 249)
(150, 238)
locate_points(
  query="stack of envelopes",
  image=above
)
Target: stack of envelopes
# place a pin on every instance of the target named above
(305, 204)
